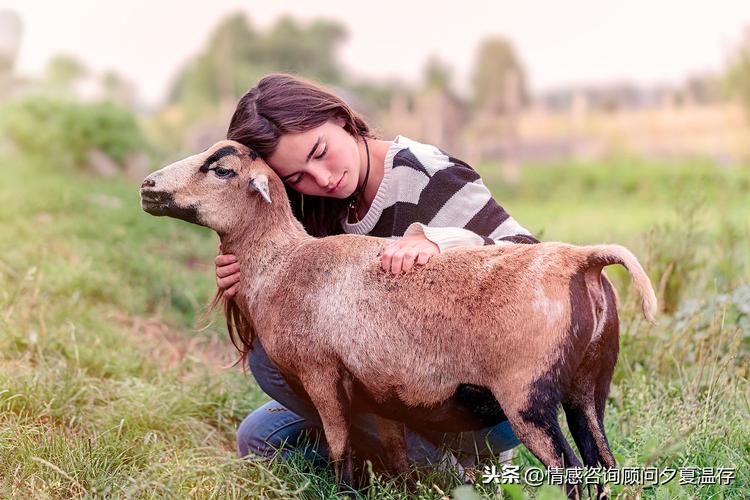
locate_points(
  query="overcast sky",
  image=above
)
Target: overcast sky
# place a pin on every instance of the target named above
(561, 43)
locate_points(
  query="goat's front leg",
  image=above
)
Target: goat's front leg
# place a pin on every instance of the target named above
(330, 392)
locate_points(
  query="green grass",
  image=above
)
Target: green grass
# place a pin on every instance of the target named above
(111, 385)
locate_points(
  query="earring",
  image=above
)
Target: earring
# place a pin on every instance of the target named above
(302, 204)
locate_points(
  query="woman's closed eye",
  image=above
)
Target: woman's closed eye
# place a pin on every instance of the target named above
(322, 153)
(294, 179)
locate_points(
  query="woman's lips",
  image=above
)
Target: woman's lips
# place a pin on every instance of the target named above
(337, 186)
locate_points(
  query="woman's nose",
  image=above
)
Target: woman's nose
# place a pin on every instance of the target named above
(322, 177)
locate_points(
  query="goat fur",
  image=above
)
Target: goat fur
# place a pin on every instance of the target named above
(534, 324)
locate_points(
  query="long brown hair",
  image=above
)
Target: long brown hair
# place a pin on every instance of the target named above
(281, 104)
(277, 105)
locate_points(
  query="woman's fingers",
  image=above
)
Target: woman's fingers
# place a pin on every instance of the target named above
(231, 292)
(224, 271)
(392, 257)
(403, 255)
(410, 255)
(228, 281)
(417, 257)
(399, 257)
(397, 263)
(385, 258)
(225, 259)
(227, 273)
(423, 258)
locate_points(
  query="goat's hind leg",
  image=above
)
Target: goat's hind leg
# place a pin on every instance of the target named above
(584, 425)
(584, 411)
(608, 360)
(330, 392)
(586, 399)
(584, 420)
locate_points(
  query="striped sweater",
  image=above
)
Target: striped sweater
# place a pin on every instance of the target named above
(425, 191)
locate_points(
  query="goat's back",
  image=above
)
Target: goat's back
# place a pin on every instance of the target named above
(332, 300)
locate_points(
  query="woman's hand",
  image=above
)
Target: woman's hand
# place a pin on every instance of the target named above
(403, 254)
(227, 274)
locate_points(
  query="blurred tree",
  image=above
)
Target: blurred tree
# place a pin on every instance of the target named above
(10, 41)
(63, 72)
(376, 96)
(738, 77)
(309, 51)
(118, 89)
(499, 94)
(437, 75)
(499, 81)
(213, 76)
(236, 56)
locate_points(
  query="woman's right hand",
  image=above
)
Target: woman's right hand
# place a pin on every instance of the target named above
(227, 274)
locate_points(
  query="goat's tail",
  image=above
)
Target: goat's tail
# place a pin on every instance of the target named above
(605, 255)
(241, 329)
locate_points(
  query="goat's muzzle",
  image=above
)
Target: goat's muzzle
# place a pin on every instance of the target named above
(161, 203)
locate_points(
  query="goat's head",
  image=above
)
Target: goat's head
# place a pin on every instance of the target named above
(216, 188)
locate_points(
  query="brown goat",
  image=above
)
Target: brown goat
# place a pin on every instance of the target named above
(534, 324)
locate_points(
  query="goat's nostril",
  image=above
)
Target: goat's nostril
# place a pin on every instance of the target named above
(148, 183)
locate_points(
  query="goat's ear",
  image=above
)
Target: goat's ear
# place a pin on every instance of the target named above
(259, 183)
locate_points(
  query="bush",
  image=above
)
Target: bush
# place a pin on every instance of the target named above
(66, 130)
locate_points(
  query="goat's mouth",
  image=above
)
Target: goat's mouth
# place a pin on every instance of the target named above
(155, 197)
(161, 203)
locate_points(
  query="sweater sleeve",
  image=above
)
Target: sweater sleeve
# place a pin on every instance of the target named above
(451, 237)
(471, 217)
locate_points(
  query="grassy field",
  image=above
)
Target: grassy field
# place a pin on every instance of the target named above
(112, 385)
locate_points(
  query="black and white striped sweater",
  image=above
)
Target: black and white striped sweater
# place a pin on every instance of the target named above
(425, 191)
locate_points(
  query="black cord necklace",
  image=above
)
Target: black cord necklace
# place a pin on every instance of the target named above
(355, 196)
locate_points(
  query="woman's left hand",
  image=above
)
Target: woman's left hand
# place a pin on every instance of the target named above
(403, 254)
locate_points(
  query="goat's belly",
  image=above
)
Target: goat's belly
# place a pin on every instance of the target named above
(470, 408)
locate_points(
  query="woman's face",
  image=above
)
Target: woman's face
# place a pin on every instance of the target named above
(324, 161)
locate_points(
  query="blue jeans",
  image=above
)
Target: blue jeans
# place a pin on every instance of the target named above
(289, 423)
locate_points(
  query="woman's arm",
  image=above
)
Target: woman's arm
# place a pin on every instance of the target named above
(471, 216)
(461, 213)
(421, 242)
(450, 237)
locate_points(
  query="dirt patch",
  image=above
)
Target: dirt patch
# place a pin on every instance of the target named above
(172, 348)
(43, 218)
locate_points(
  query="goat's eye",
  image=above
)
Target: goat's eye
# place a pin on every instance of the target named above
(222, 172)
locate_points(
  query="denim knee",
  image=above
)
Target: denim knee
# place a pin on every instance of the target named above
(501, 437)
(269, 379)
(483, 443)
(273, 429)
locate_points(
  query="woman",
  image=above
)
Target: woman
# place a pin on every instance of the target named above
(341, 179)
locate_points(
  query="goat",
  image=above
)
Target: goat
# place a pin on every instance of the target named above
(535, 324)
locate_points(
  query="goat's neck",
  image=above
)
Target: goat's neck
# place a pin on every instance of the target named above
(259, 243)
